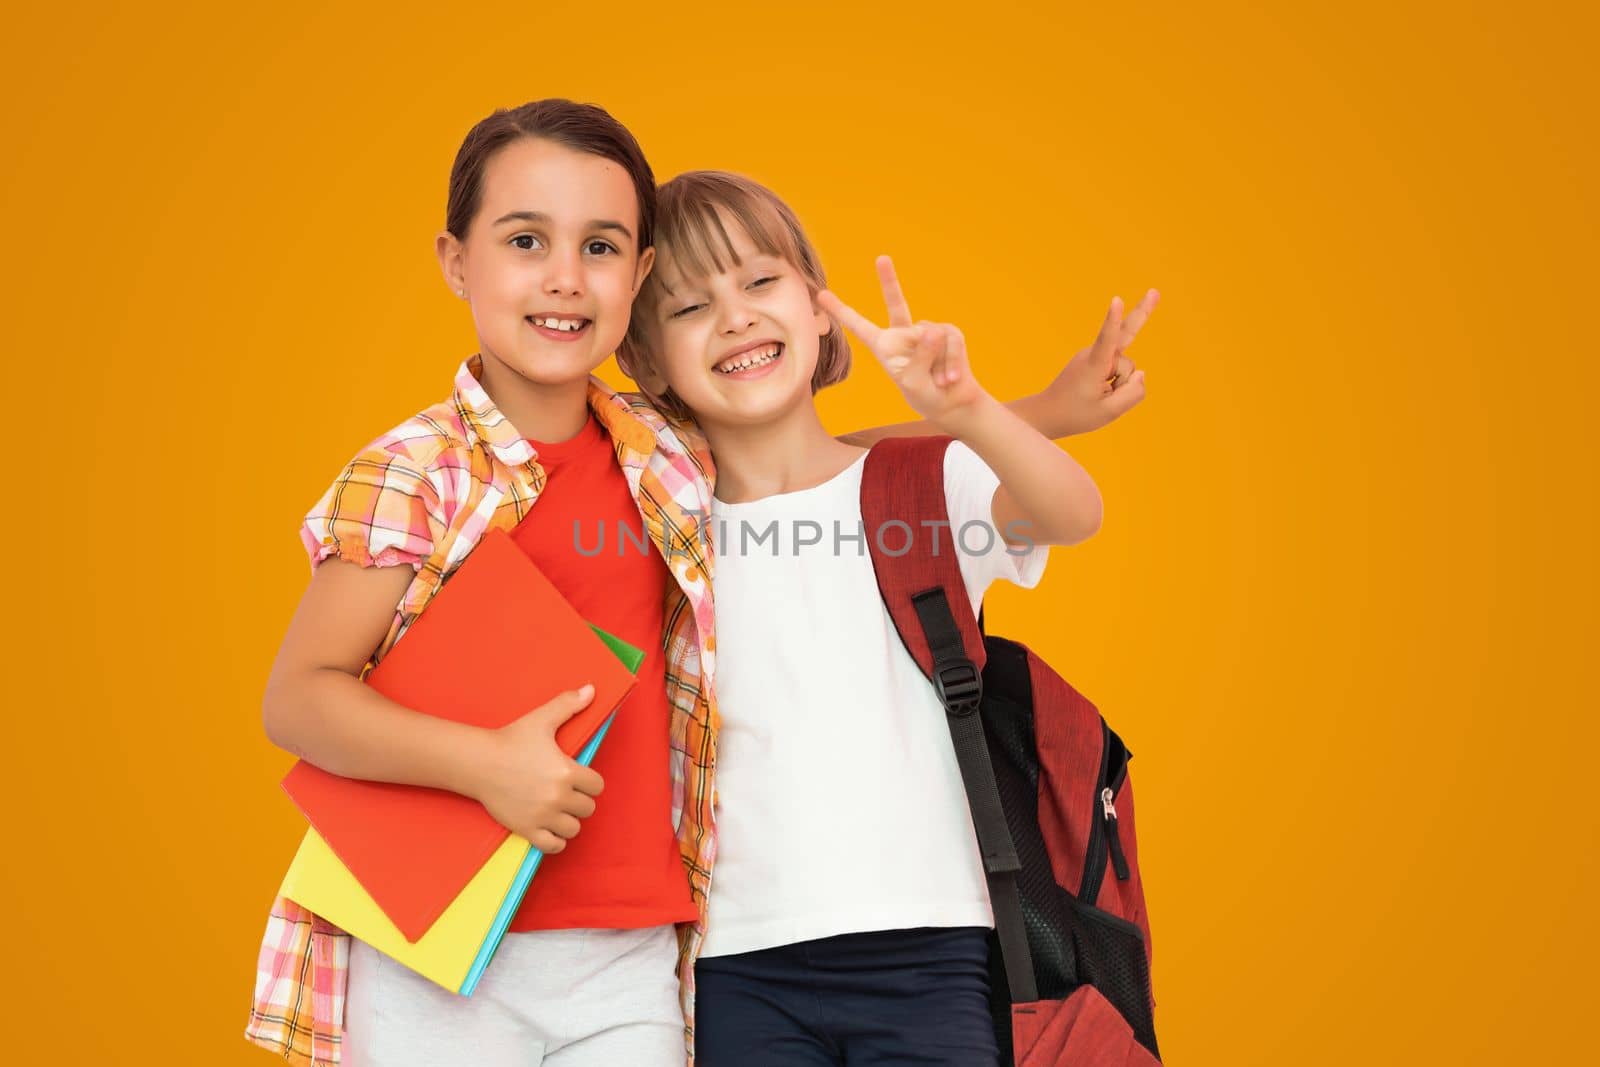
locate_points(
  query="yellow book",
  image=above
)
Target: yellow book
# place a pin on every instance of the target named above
(447, 953)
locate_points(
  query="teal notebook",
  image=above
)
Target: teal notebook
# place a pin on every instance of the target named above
(631, 658)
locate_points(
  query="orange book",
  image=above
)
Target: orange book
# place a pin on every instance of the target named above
(495, 643)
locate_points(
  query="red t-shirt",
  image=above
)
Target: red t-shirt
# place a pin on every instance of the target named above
(623, 870)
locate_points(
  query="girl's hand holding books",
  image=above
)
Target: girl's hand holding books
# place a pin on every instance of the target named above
(530, 786)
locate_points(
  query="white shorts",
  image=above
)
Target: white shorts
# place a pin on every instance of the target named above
(552, 998)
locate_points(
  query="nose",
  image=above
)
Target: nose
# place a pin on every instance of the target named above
(735, 318)
(563, 273)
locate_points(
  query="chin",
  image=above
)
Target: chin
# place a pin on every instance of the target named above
(756, 411)
(543, 368)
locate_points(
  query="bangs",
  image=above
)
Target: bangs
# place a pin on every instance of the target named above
(691, 224)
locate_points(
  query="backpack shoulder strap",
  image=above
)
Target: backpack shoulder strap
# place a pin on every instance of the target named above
(904, 510)
(914, 550)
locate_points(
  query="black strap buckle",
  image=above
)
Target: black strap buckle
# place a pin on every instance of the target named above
(960, 687)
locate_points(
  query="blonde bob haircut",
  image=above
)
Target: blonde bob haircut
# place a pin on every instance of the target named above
(690, 231)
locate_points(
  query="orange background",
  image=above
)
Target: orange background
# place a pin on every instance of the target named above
(1346, 577)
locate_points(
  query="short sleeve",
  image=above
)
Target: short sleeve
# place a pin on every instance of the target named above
(382, 511)
(969, 487)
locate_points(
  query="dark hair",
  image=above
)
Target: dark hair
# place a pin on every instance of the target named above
(695, 241)
(580, 127)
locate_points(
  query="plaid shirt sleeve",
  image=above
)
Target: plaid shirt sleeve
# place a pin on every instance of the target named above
(383, 510)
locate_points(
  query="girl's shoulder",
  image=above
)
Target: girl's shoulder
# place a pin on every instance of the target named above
(432, 439)
(663, 425)
(644, 409)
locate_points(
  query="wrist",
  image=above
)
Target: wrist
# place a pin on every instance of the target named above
(471, 759)
(971, 417)
(1058, 419)
(1052, 416)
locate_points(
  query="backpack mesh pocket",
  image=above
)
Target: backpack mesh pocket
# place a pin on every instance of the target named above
(1111, 957)
(1072, 943)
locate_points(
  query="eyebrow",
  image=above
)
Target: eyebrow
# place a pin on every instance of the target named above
(541, 217)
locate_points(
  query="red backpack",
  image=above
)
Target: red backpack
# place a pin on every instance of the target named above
(1047, 783)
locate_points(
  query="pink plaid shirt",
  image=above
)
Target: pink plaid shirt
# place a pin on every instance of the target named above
(423, 495)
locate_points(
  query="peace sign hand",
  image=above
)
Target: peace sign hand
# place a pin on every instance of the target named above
(1100, 384)
(926, 360)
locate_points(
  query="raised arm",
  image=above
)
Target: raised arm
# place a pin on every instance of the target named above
(1044, 495)
(1097, 386)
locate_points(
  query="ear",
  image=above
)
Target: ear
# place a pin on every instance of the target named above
(822, 320)
(452, 261)
(646, 260)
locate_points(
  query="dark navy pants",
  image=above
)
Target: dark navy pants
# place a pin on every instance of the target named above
(887, 997)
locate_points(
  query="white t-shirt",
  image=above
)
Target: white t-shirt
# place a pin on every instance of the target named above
(840, 807)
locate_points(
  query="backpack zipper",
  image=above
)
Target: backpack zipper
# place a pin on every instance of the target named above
(1104, 840)
(1119, 862)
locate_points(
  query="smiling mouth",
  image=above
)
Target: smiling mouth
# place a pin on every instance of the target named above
(557, 324)
(756, 357)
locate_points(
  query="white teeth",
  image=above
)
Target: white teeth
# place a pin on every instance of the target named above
(564, 325)
(754, 358)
